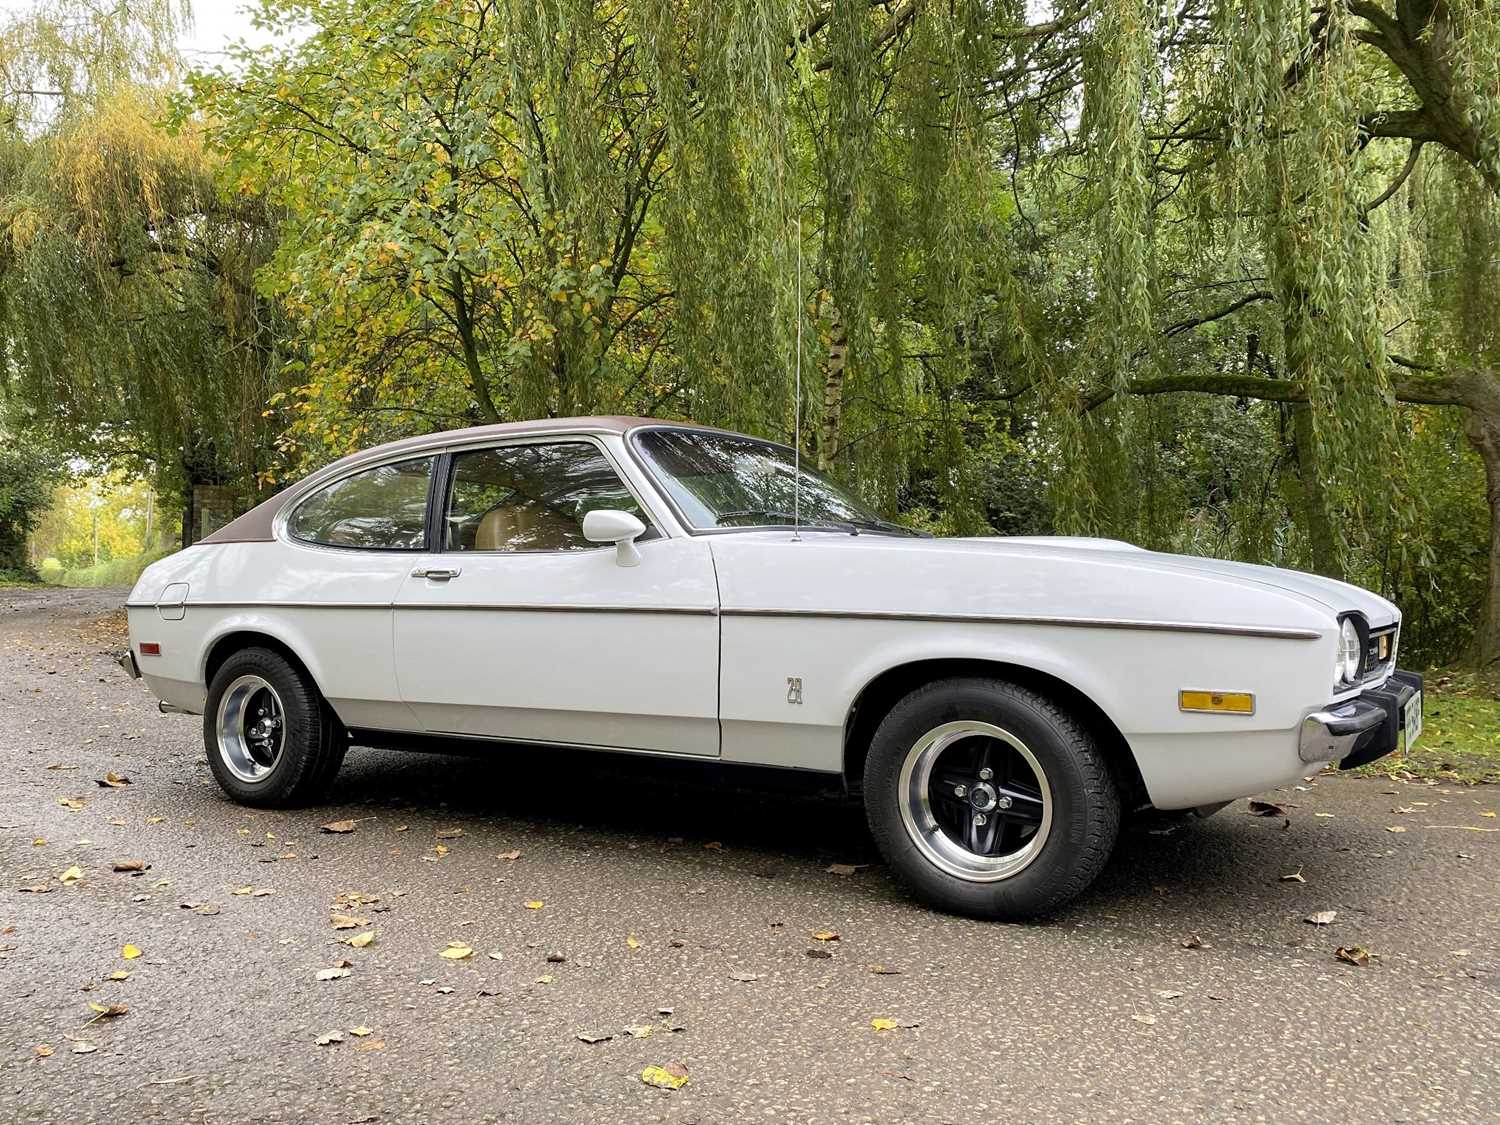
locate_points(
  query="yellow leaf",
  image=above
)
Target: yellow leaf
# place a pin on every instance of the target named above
(456, 951)
(826, 935)
(70, 876)
(242, 890)
(633, 942)
(130, 952)
(120, 974)
(671, 1077)
(535, 904)
(361, 1031)
(43, 1050)
(359, 941)
(70, 803)
(881, 1023)
(545, 978)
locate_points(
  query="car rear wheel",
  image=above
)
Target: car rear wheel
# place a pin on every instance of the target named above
(989, 799)
(271, 738)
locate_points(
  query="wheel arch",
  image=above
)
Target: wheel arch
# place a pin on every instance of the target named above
(875, 700)
(234, 640)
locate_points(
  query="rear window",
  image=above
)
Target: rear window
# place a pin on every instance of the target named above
(379, 509)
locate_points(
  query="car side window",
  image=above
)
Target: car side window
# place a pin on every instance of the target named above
(383, 509)
(531, 497)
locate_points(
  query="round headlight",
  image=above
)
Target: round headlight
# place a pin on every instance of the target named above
(1348, 659)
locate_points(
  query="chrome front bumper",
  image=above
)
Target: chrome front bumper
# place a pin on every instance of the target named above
(1362, 729)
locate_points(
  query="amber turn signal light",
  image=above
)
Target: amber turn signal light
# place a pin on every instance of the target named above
(1217, 702)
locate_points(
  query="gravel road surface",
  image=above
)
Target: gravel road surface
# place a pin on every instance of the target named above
(671, 913)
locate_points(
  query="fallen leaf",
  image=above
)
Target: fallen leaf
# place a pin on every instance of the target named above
(673, 1076)
(1265, 808)
(333, 974)
(1144, 1019)
(72, 803)
(825, 935)
(1325, 815)
(1395, 828)
(344, 921)
(883, 1023)
(107, 1011)
(111, 780)
(545, 978)
(329, 1037)
(84, 1047)
(1487, 813)
(1168, 993)
(1193, 941)
(584, 1037)
(633, 942)
(70, 876)
(130, 952)
(449, 833)
(639, 1031)
(242, 890)
(556, 958)
(885, 970)
(714, 846)
(130, 865)
(1354, 955)
(339, 826)
(1294, 877)
(43, 1050)
(744, 978)
(1321, 917)
(206, 908)
(535, 904)
(119, 974)
(496, 955)
(509, 855)
(361, 1031)
(360, 941)
(841, 869)
(456, 951)
(156, 820)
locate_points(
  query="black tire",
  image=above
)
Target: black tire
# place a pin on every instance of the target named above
(301, 766)
(1084, 807)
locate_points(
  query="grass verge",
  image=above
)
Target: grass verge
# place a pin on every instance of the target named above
(1460, 738)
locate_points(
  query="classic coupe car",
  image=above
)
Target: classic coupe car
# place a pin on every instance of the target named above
(660, 588)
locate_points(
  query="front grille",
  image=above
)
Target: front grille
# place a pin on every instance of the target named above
(1380, 652)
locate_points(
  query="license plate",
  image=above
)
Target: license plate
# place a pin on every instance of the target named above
(1411, 721)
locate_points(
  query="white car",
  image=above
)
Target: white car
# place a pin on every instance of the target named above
(660, 588)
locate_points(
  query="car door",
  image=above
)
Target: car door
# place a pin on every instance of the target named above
(520, 628)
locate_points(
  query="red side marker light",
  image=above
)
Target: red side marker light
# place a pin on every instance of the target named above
(150, 648)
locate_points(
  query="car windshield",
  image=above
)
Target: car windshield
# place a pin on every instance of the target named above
(726, 480)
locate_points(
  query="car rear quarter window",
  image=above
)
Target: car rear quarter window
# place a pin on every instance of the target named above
(379, 509)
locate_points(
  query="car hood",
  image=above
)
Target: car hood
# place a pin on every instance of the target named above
(1331, 594)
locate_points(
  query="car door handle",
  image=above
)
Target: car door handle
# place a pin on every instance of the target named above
(441, 574)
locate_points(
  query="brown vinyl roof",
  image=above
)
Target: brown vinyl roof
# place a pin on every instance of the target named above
(255, 525)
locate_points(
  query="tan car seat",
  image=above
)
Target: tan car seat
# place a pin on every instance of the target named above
(524, 525)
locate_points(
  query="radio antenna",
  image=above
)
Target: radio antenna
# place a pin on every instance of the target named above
(797, 406)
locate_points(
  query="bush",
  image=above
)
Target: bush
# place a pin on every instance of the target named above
(116, 572)
(51, 570)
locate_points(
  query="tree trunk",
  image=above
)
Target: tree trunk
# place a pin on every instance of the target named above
(1320, 535)
(1483, 432)
(833, 393)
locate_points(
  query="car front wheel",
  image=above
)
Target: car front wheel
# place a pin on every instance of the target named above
(989, 799)
(271, 739)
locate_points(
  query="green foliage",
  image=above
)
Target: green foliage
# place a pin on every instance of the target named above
(25, 485)
(115, 572)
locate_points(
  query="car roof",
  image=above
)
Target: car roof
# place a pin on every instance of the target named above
(256, 524)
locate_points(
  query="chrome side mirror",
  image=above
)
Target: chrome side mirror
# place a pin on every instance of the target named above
(608, 525)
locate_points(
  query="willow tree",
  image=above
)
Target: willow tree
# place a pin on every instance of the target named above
(499, 208)
(130, 328)
(1314, 184)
